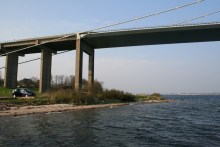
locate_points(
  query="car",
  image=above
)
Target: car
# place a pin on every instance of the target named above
(22, 92)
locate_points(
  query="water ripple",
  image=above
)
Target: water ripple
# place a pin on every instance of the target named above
(190, 121)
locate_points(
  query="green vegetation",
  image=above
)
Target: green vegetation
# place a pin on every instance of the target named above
(107, 96)
(116, 95)
(69, 96)
(144, 97)
(62, 92)
(5, 92)
(24, 101)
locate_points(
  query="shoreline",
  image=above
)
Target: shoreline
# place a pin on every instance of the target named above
(31, 109)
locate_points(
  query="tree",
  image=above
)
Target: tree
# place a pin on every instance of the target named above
(56, 79)
(36, 81)
(68, 82)
(61, 79)
(97, 86)
(26, 83)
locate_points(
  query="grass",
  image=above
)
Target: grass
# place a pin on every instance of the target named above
(5, 92)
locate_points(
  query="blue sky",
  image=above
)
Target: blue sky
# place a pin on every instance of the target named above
(175, 68)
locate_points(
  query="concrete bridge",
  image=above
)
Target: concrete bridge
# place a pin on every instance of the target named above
(89, 41)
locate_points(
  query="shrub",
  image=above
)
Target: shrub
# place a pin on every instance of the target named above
(69, 96)
(155, 96)
(142, 97)
(60, 96)
(117, 95)
(84, 98)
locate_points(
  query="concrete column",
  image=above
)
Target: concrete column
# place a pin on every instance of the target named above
(79, 64)
(11, 70)
(45, 70)
(91, 70)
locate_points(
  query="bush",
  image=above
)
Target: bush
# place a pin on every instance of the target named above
(117, 95)
(155, 96)
(84, 98)
(69, 96)
(60, 96)
(144, 97)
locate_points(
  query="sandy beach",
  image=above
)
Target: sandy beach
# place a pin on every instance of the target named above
(26, 110)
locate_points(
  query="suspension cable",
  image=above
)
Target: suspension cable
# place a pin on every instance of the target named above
(195, 18)
(66, 36)
(107, 26)
(170, 25)
(146, 16)
(189, 20)
(38, 58)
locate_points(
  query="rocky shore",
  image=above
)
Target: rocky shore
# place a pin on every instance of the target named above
(26, 110)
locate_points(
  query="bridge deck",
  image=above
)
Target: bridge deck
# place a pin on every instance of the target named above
(136, 37)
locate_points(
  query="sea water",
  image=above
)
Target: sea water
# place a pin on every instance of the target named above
(189, 121)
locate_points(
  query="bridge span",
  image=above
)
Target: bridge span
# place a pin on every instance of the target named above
(89, 41)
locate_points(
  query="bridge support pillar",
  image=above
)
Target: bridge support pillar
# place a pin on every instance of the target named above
(45, 70)
(79, 64)
(91, 70)
(11, 70)
(80, 48)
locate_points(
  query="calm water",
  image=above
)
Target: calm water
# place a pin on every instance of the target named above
(190, 121)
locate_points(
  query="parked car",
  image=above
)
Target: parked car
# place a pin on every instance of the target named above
(22, 92)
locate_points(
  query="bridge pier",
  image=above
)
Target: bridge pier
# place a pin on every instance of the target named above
(45, 70)
(79, 64)
(11, 70)
(91, 70)
(80, 48)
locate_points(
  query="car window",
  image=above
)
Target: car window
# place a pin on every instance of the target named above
(28, 90)
(23, 91)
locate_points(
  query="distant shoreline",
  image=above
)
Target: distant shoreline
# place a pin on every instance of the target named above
(27, 110)
(186, 94)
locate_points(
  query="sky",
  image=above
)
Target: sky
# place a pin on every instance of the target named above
(173, 68)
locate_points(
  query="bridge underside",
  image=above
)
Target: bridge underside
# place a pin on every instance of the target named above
(87, 42)
(153, 37)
